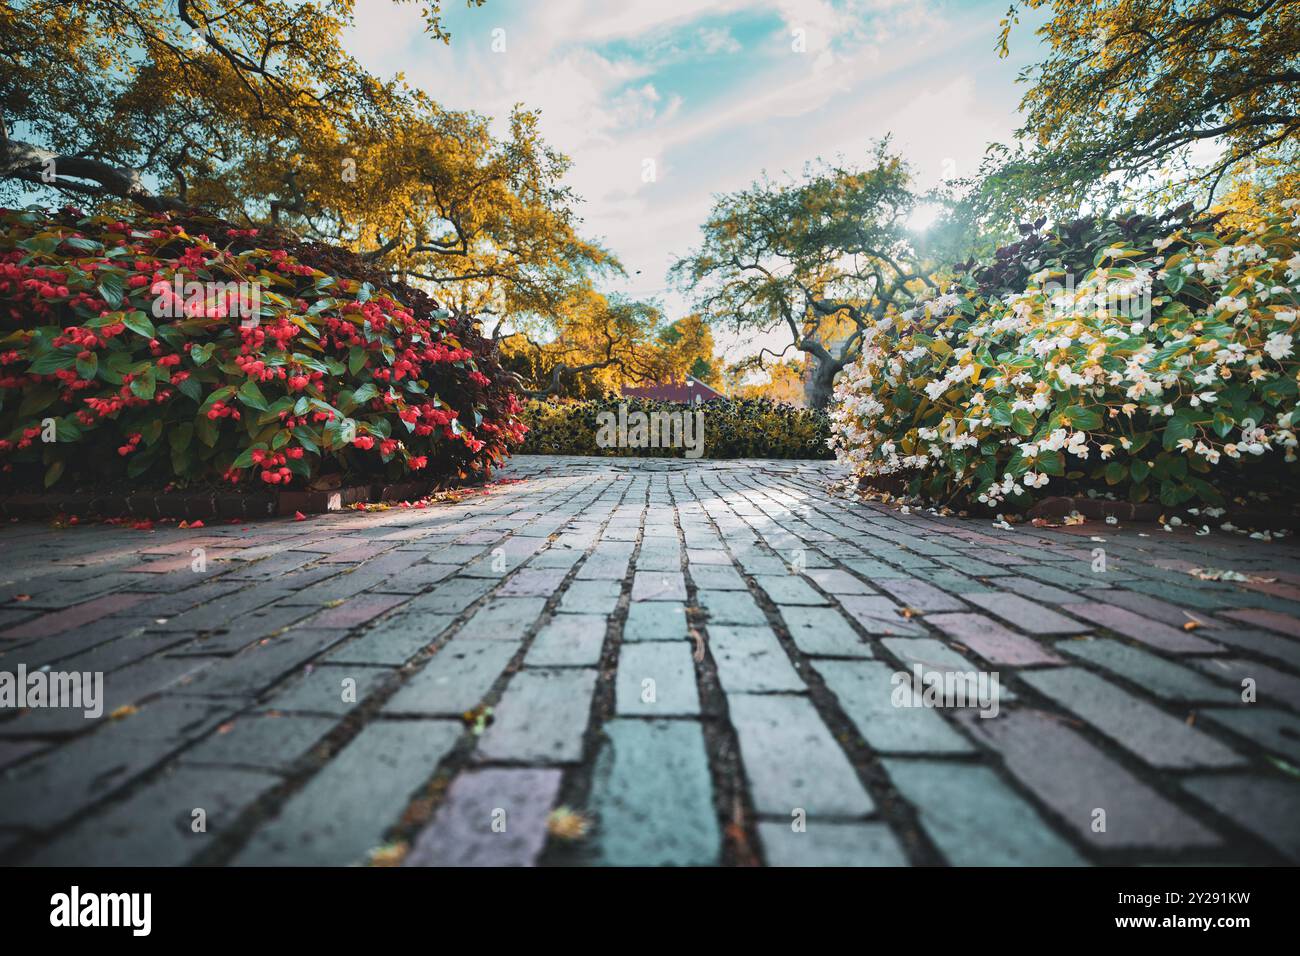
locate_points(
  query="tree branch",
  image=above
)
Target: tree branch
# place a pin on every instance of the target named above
(27, 162)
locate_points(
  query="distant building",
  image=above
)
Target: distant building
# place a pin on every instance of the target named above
(687, 391)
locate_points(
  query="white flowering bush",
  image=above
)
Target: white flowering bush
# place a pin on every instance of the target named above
(1159, 364)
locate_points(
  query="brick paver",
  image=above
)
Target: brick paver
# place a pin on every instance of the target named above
(701, 662)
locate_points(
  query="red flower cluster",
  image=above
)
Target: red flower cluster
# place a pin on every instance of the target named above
(101, 328)
(273, 467)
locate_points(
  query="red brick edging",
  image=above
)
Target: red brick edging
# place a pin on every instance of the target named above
(206, 506)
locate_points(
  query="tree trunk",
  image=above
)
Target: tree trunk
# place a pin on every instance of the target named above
(822, 382)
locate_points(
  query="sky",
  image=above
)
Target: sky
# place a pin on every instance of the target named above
(664, 104)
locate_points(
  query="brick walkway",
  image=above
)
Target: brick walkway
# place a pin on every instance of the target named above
(695, 656)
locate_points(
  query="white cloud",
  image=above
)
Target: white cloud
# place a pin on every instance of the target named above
(718, 40)
(606, 79)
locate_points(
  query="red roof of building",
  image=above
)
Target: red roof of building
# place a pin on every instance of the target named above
(685, 392)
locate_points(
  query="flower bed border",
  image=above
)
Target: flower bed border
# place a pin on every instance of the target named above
(217, 506)
(1057, 507)
(1099, 509)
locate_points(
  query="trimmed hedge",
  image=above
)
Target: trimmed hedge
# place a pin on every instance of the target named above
(1143, 356)
(749, 428)
(112, 369)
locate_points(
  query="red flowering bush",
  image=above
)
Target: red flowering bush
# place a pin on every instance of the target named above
(179, 350)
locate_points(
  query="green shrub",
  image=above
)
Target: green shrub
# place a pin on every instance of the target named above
(1138, 356)
(731, 429)
(179, 350)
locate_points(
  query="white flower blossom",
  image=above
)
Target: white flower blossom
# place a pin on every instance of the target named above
(1278, 345)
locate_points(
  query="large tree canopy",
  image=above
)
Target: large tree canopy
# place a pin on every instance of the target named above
(605, 342)
(1153, 99)
(824, 258)
(253, 109)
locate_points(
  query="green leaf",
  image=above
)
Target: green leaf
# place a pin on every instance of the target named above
(1278, 390)
(114, 367)
(53, 473)
(87, 367)
(151, 432)
(245, 459)
(1051, 463)
(172, 336)
(53, 361)
(323, 406)
(206, 429)
(144, 386)
(180, 436)
(42, 245)
(356, 359)
(111, 286)
(37, 400)
(1082, 417)
(254, 427)
(191, 388)
(66, 429)
(1179, 427)
(139, 323)
(252, 396)
(272, 413)
(1021, 421)
(306, 439)
(218, 395)
(180, 462)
